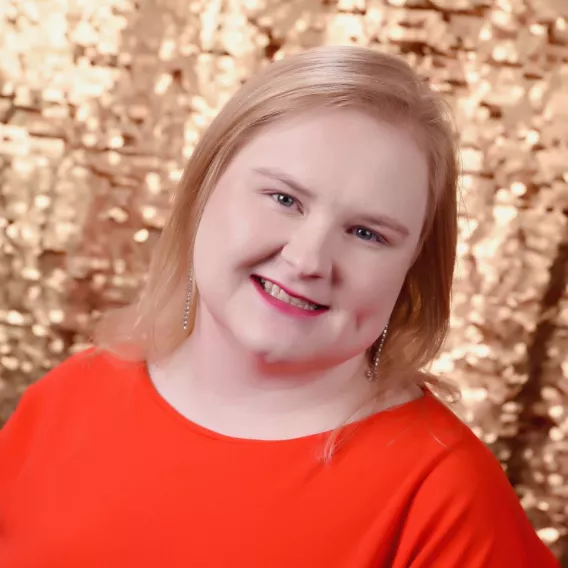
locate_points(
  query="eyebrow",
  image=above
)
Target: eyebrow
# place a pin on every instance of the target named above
(283, 177)
(378, 220)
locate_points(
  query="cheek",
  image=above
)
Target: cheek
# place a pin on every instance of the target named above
(234, 231)
(375, 293)
(222, 227)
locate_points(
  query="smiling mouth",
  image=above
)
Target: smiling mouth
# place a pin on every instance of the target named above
(276, 292)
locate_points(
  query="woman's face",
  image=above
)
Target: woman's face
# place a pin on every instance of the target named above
(307, 238)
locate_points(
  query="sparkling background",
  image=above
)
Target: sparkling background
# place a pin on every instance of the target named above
(102, 102)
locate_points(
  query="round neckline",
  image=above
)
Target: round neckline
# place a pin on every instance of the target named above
(399, 411)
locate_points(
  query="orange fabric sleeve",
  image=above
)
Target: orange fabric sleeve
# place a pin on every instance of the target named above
(466, 514)
(16, 437)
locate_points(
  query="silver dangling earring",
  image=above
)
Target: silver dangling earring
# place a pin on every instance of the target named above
(373, 372)
(188, 301)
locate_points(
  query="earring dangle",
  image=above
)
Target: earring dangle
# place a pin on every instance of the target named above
(372, 373)
(188, 301)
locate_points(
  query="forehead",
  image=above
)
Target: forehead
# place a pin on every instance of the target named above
(346, 156)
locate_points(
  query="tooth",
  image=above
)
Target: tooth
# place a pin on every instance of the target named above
(276, 292)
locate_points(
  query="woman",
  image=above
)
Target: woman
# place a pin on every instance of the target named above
(262, 404)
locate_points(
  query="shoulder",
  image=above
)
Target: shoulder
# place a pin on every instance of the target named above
(83, 380)
(80, 370)
(465, 479)
(465, 511)
(73, 395)
(468, 481)
(465, 470)
(66, 405)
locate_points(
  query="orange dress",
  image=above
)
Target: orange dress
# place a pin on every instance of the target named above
(97, 470)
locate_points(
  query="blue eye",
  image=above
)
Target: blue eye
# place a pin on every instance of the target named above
(284, 199)
(368, 235)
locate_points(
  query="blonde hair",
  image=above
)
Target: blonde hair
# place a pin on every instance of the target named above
(335, 77)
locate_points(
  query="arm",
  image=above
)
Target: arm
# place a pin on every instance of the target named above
(466, 514)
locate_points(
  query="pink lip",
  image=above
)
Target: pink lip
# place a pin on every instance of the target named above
(289, 292)
(283, 307)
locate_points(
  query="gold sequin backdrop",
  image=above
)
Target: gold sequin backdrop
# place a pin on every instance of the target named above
(102, 101)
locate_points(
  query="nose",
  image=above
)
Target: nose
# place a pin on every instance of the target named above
(309, 251)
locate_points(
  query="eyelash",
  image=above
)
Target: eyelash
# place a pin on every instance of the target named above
(376, 237)
(278, 194)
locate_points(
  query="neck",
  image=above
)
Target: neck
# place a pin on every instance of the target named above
(213, 381)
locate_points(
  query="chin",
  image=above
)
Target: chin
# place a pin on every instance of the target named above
(273, 339)
(273, 348)
(297, 355)
(269, 351)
